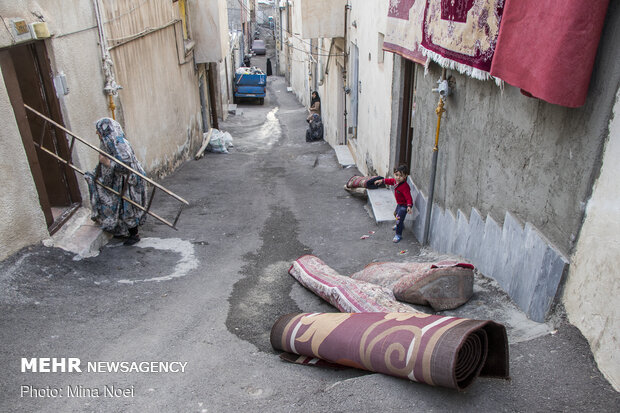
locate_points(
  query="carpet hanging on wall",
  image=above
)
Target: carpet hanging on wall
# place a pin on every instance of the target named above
(403, 32)
(547, 48)
(462, 34)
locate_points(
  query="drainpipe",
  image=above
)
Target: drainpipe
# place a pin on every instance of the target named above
(111, 87)
(346, 90)
(444, 91)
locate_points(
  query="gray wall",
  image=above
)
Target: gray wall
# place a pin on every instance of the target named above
(503, 152)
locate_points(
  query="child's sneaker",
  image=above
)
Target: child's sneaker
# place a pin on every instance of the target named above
(397, 238)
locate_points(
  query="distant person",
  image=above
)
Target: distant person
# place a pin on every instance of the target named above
(315, 104)
(269, 69)
(402, 193)
(116, 216)
(246, 60)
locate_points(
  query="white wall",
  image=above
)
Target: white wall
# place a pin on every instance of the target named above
(300, 58)
(372, 146)
(593, 285)
(21, 219)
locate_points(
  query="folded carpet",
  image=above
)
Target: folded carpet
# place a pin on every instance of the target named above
(443, 285)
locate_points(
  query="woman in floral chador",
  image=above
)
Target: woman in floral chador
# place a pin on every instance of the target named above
(114, 214)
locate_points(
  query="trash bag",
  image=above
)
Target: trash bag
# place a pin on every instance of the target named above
(220, 141)
(315, 128)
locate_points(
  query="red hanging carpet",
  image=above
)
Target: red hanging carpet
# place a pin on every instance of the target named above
(547, 47)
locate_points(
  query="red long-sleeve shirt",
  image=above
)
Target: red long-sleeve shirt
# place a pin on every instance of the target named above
(402, 192)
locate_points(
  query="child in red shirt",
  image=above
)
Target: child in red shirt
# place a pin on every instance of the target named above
(402, 193)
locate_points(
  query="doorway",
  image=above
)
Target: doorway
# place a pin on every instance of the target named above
(405, 145)
(28, 77)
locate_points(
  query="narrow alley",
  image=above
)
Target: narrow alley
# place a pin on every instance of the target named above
(207, 295)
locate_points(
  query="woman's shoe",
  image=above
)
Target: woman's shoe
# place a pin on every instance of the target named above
(396, 238)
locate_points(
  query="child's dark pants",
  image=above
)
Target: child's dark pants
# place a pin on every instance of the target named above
(401, 213)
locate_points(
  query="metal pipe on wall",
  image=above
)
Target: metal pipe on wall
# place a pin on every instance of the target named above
(111, 87)
(347, 7)
(431, 187)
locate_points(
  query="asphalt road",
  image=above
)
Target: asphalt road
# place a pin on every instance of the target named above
(207, 295)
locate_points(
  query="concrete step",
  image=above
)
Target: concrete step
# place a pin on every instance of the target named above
(345, 159)
(382, 204)
(80, 236)
(233, 109)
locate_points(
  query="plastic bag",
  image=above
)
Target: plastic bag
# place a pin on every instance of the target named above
(220, 141)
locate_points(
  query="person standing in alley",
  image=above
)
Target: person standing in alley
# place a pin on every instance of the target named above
(115, 215)
(402, 193)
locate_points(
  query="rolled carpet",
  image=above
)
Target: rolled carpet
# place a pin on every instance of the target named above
(440, 351)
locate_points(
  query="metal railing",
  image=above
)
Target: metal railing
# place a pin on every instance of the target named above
(67, 162)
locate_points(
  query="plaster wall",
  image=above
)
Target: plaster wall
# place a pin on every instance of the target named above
(159, 106)
(72, 28)
(300, 57)
(209, 29)
(372, 145)
(332, 95)
(21, 220)
(503, 152)
(593, 285)
(322, 18)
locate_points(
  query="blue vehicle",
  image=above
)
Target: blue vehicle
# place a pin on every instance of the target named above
(250, 85)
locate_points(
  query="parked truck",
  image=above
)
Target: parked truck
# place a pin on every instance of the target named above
(250, 83)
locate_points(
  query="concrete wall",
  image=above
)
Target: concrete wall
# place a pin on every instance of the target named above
(593, 285)
(21, 220)
(372, 146)
(160, 106)
(514, 175)
(322, 18)
(501, 151)
(331, 92)
(299, 57)
(209, 24)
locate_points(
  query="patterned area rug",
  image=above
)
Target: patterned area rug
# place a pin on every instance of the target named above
(462, 34)
(357, 181)
(346, 294)
(440, 351)
(403, 32)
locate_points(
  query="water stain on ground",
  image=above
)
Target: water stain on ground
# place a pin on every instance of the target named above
(263, 294)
